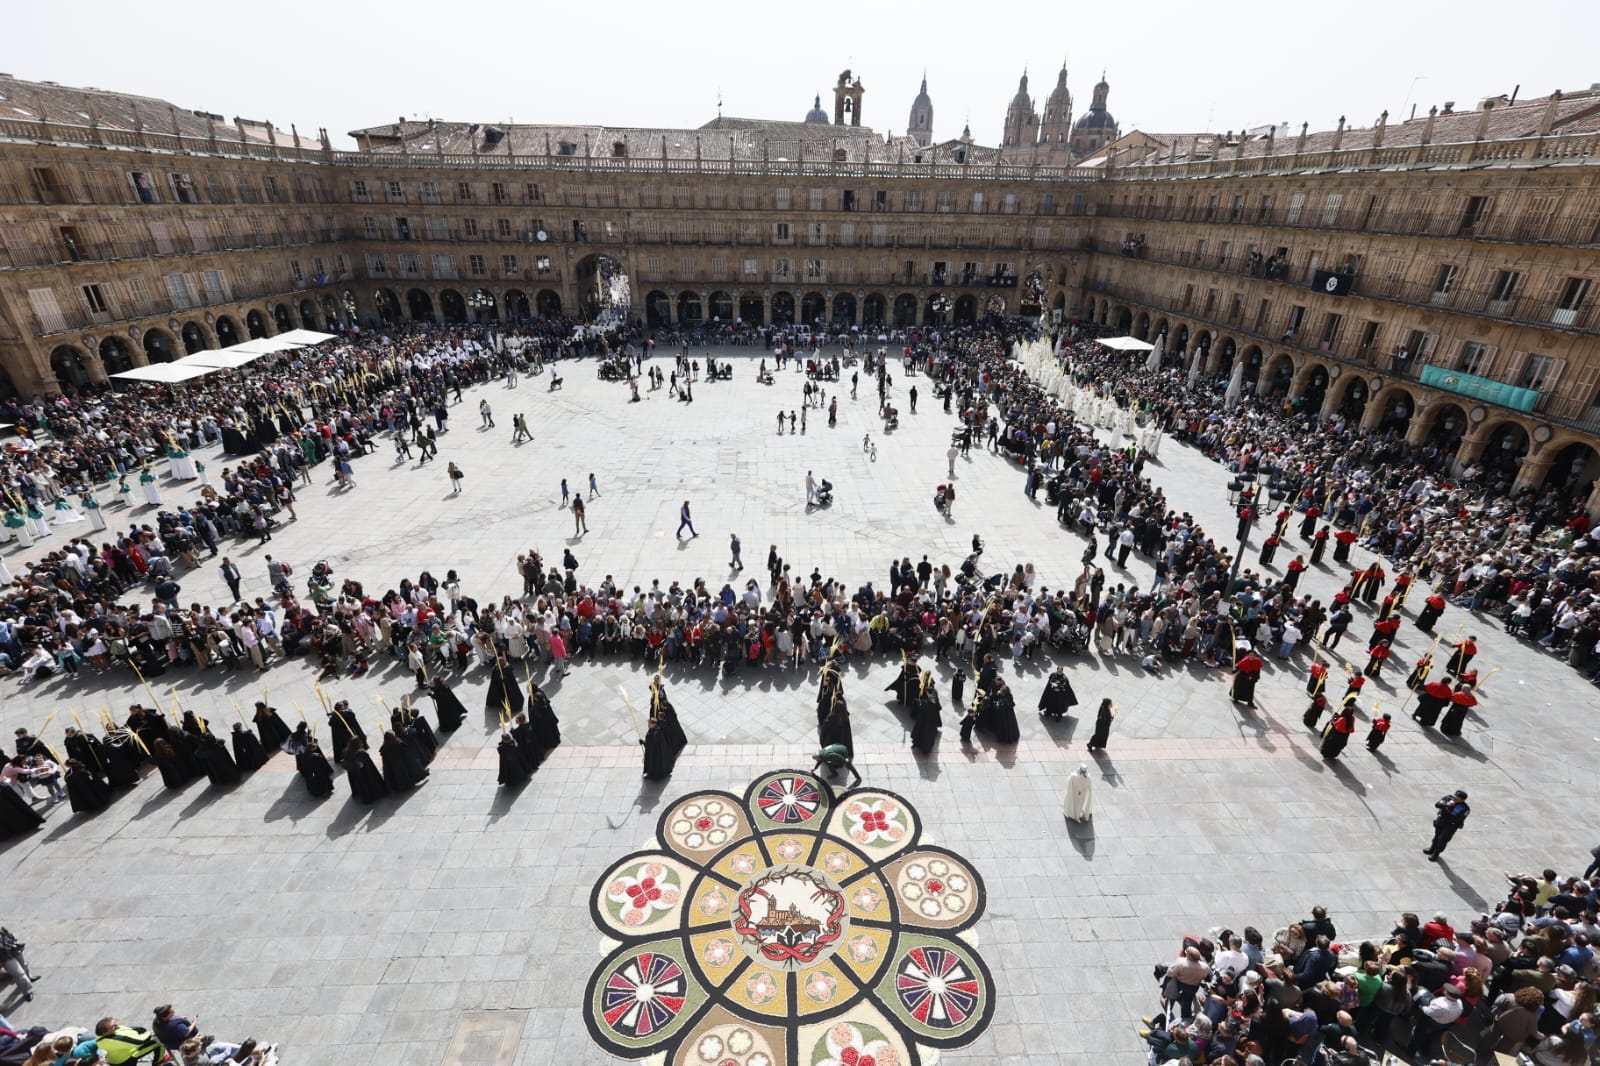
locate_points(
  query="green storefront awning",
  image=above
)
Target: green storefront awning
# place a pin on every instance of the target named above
(1495, 392)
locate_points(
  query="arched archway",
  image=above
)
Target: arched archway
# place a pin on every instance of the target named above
(348, 305)
(782, 308)
(1141, 326)
(484, 307)
(308, 314)
(690, 313)
(1448, 424)
(158, 346)
(1058, 306)
(1508, 444)
(1574, 469)
(721, 306)
(966, 310)
(1353, 400)
(874, 309)
(813, 309)
(604, 290)
(227, 332)
(905, 310)
(71, 369)
(255, 324)
(518, 309)
(1279, 376)
(751, 309)
(1033, 287)
(1160, 327)
(1124, 320)
(388, 306)
(936, 311)
(1180, 340)
(452, 308)
(1393, 409)
(1316, 389)
(657, 308)
(194, 339)
(844, 310)
(115, 355)
(280, 316)
(1252, 365)
(1223, 367)
(420, 304)
(332, 312)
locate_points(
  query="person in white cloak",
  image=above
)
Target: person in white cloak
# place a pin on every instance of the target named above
(1079, 802)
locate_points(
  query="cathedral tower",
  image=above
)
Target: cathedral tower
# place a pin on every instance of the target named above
(921, 126)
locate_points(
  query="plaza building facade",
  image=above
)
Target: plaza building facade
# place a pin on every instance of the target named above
(1433, 278)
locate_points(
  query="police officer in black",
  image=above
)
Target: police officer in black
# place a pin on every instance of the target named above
(1453, 811)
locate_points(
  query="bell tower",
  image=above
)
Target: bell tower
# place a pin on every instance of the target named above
(921, 127)
(847, 101)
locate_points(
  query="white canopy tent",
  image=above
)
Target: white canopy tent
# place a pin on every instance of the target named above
(1125, 344)
(300, 338)
(167, 373)
(226, 358)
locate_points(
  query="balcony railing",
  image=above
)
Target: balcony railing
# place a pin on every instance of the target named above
(77, 318)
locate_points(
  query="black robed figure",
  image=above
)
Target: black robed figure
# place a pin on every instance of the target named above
(346, 727)
(906, 683)
(926, 720)
(836, 727)
(88, 750)
(315, 770)
(998, 714)
(447, 705)
(514, 768)
(248, 754)
(1057, 698)
(665, 737)
(123, 757)
(543, 726)
(85, 790)
(16, 817)
(504, 695)
(270, 728)
(366, 781)
(402, 769)
(214, 759)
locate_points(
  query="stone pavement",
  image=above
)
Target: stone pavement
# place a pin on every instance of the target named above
(353, 934)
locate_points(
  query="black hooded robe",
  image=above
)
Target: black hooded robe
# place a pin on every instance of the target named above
(502, 694)
(215, 760)
(402, 769)
(16, 816)
(448, 706)
(925, 721)
(545, 726)
(315, 771)
(247, 751)
(86, 792)
(515, 769)
(346, 727)
(999, 718)
(122, 762)
(272, 730)
(1057, 698)
(366, 782)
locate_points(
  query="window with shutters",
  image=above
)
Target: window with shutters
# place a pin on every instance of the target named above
(396, 193)
(47, 310)
(782, 269)
(780, 232)
(498, 191)
(216, 286)
(93, 298)
(1474, 357)
(438, 229)
(819, 199)
(752, 268)
(1330, 208)
(138, 291)
(1539, 372)
(780, 199)
(913, 200)
(161, 238)
(377, 265)
(531, 193)
(444, 266)
(198, 237)
(402, 229)
(1574, 291)
(360, 193)
(815, 270)
(880, 234)
(369, 227)
(541, 264)
(502, 228)
(508, 263)
(297, 273)
(178, 291)
(410, 263)
(430, 192)
(475, 264)
(1369, 336)
(270, 184)
(1297, 203)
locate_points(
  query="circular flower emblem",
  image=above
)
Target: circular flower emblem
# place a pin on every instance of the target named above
(732, 944)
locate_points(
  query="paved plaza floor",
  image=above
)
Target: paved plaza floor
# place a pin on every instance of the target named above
(453, 924)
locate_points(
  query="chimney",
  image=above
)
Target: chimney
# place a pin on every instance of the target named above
(1548, 119)
(1300, 144)
(1272, 136)
(1338, 135)
(1427, 127)
(1483, 120)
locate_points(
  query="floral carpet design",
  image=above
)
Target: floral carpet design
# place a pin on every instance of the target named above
(789, 927)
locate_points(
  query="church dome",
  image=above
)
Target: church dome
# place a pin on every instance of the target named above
(1059, 96)
(1021, 100)
(1096, 120)
(816, 114)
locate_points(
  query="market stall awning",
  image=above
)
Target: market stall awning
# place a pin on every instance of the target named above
(227, 358)
(300, 338)
(167, 373)
(1125, 344)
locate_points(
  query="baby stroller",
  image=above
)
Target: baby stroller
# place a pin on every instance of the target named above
(943, 497)
(824, 497)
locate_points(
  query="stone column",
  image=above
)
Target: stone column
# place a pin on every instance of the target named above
(1533, 471)
(1470, 449)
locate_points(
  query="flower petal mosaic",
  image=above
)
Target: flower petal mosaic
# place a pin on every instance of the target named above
(789, 927)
